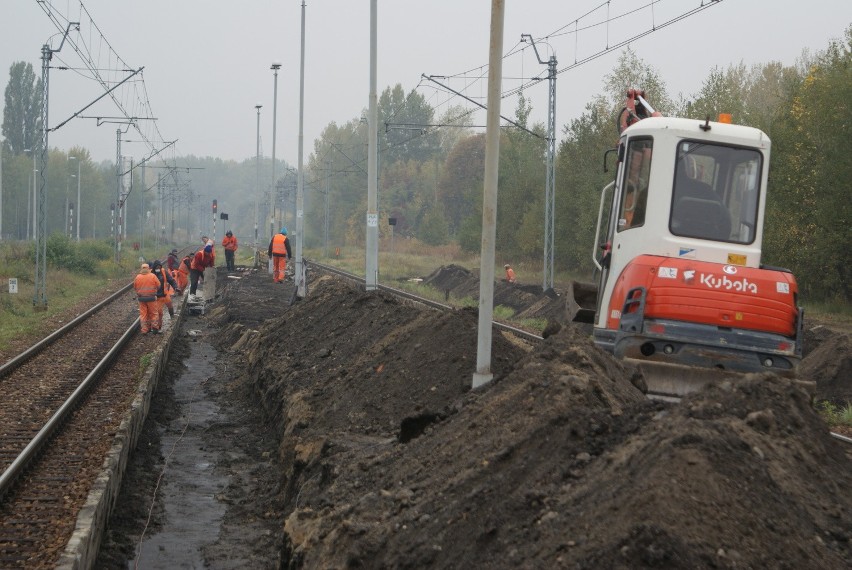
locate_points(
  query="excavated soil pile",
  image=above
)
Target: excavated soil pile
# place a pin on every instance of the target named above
(828, 361)
(527, 301)
(390, 461)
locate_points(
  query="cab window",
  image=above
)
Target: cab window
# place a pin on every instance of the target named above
(715, 195)
(634, 195)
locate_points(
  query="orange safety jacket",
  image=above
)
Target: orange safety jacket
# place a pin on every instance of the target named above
(201, 260)
(229, 243)
(146, 285)
(280, 246)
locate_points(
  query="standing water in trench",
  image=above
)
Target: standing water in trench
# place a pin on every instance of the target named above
(189, 485)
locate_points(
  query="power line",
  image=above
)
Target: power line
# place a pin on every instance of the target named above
(132, 101)
(564, 31)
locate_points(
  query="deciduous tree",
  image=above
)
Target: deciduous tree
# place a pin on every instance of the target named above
(22, 113)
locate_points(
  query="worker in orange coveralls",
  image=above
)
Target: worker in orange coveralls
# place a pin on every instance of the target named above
(164, 299)
(146, 285)
(202, 259)
(229, 242)
(182, 274)
(510, 273)
(279, 250)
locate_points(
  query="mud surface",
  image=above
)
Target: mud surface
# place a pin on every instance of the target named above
(200, 490)
(349, 437)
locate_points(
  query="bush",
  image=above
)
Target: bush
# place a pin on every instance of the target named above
(63, 253)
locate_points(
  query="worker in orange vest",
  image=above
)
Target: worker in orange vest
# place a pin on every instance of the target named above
(510, 273)
(146, 285)
(279, 251)
(166, 284)
(182, 274)
(229, 242)
(202, 259)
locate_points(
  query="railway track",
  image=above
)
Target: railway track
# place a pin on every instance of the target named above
(63, 402)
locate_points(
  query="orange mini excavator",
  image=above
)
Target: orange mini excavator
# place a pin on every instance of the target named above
(681, 288)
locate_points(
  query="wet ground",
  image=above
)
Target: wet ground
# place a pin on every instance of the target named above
(201, 484)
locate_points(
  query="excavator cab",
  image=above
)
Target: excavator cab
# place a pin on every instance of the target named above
(679, 277)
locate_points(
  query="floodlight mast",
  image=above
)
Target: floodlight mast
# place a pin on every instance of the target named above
(272, 194)
(79, 206)
(301, 289)
(257, 187)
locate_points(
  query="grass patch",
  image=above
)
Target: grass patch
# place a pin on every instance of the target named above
(74, 271)
(409, 259)
(832, 312)
(503, 312)
(145, 362)
(835, 415)
(537, 324)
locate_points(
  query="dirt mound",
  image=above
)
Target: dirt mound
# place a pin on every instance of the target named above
(391, 461)
(741, 475)
(527, 301)
(451, 278)
(829, 363)
(381, 361)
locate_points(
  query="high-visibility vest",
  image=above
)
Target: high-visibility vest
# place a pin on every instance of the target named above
(279, 244)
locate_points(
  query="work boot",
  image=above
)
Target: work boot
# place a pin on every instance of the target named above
(172, 313)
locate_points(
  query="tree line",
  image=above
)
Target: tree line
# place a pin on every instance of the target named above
(431, 163)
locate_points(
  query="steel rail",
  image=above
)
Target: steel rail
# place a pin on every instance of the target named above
(842, 438)
(528, 336)
(19, 360)
(10, 475)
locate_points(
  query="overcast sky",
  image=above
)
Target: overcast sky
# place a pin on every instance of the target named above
(207, 62)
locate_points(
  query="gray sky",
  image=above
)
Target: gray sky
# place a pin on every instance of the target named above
(207, 62)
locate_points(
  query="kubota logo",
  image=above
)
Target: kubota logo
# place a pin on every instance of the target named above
(725, 282)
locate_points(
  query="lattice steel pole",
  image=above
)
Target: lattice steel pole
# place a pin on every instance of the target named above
(40, 283)
(550, 180)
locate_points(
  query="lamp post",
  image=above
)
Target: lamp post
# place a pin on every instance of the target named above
(66, 208)
(257, 187)
(275, 67)
(71, 214)
(79, 205)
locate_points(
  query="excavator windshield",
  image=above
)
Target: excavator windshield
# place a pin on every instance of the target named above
(716, 190)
